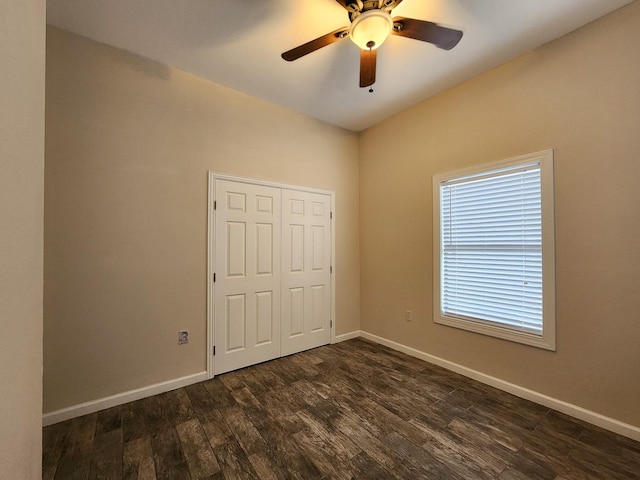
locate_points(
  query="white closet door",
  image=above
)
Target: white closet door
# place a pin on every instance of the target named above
(306, 276)
(247, 268)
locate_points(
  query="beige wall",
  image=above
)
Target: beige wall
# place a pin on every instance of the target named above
(579, 95)
(22, 46)
(128, 146)
(129, 143)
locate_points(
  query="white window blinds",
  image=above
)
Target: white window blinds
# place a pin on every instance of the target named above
(491, 248)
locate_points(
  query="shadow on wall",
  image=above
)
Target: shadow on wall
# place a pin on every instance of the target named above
(191, 24)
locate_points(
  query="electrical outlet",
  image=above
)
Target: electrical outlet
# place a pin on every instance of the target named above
(408, 315)
(183, 337)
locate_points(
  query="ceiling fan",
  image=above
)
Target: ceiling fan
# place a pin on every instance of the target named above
(371, 24)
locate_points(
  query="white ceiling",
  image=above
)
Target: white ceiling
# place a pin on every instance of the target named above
(238, 43)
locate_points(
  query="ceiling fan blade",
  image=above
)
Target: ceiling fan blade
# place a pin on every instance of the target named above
(367, 67)
(316, 44)
(441, 37)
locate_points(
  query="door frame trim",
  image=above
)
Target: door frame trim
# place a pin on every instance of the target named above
(212, 177)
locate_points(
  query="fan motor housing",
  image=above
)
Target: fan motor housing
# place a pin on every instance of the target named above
(355, 10)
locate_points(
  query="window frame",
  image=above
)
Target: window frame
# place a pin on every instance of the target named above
(547, 340)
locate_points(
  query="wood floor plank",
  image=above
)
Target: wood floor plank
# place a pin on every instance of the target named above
(303, 390)
(234, 463)
(531, 468)
(264, 374)
(463, 458)
(79, 440)
(419, 457)
(548, 448)
(231, 380)
(134, 425)
(277, 429)
(108, 420)
(220, 394)
(200, 458)
(509, 435)
(354, 411)
(363, 466)
(179, 471)
(352, 427)
(285, 370)
(265, 467)
(510, 474)
(316, 449)
(438, 415)
(200, 398)
(146, 469)
(390, 422)
(179, 406)
(245, 432)
(310, 368)
(501, 406)
(49, 472)
(469, 435)
(286, 454)
(280, 414)
(583, 459)
(75, 460)
(73, 467)
(288, 397)
(343, 448)
(106, 458)
(612, 443)
(53, 440)
(253, 381)
(245, 399)
(215, 428)
(137, 460)
(155, 414)
(168, 456)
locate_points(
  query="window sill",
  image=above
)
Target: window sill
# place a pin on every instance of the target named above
(545, 341)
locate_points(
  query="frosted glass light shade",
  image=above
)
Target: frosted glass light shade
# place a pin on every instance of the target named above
(372, 26)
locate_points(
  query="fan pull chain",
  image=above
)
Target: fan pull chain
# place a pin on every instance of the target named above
(370, 45)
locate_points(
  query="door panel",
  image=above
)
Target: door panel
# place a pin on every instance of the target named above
(264, 317)
(236, 249)
(235, 322)
(247, 265)
(264, 236)
(317, 247)
(317, 307)
(306, 277)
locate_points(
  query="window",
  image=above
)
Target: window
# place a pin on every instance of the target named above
(494, 260)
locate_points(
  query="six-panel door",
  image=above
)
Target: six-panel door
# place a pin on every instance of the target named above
(272, 260)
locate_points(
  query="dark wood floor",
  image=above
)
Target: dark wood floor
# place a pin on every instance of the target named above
(354, 410)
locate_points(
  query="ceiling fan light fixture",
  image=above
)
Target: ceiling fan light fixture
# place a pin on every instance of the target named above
(370, 29)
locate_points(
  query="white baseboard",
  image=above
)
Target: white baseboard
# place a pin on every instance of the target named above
(120, 398)
(346, 336)
(132, 395)
(589, 416)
